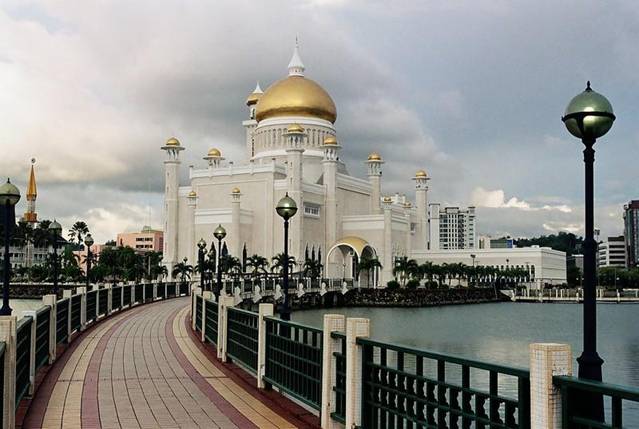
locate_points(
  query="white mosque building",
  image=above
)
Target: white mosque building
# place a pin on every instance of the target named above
(292, 146)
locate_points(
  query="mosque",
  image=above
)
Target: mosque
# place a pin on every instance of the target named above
(292, 146)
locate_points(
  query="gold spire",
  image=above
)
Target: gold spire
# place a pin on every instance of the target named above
(32, 191)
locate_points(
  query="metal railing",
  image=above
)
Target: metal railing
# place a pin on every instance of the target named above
(171, 290)
(76, 309)
(294, 360)
(183, 288)
(210, 326)
(116, 298)
(198, 312)
(23, 357)
(409, 387)
(242, 332)
(571, 387)
(126, 296)
(103, 302)
(43, 321)
(161, 290)
(148, 292)
(62, 321)
(340, 378)
(139, 292)
(91, 305)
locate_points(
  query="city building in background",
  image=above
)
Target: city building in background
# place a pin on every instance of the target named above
(612, 252)
(577, 261)
(631, 232)
(456, 227)
(148, 239)
(486, 242)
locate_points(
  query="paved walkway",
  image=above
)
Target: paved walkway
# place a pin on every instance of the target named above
(144, 369)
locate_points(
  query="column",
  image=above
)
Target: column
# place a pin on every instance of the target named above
(387, 264)
(421, 204)
(225, 303)
(8, 334)
(332, 323)
(82, 290)
(265, 310)
(51, 301)
(375, 162)
(329, 166)
(171, 175)
(295, 140)
(32, 314)
(547, 360)
(235, 235)
(355, 327)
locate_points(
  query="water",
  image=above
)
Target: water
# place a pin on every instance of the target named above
(500, 333)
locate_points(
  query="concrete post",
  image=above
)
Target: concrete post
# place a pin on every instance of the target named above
(155, 290)
(8, 334)
(225, 303)
(206, 295)
(143, 291)
(547, 360)
(82, 290)
(355, 327)
(265, 310)
(51, 301)
(332, 323)
(132, 289)
(32, 346)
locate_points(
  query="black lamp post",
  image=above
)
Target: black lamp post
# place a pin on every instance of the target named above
(88, 241)
(286, 208)
(9, 197)
(589, 116)
(55, 229)
(201, 250)
(219, 233)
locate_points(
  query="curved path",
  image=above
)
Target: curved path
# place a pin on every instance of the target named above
(143, 368)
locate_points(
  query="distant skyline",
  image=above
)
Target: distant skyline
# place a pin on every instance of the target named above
(472, 91)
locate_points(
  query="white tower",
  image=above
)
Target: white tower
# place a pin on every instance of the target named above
(295, 139)
(191, 201)
(375, 162)
(433, 226)
(421, 201)
(329, 165)
(251, 123)
(171, 171)
(235, 235)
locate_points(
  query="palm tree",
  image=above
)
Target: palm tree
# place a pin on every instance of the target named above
(257, 263)
(78, 230)
(313, 268)
(182, 270)
(230, 264)
(369, 264)
(277, 263)
(405, 268)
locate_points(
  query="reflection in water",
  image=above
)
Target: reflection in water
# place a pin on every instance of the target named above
(500, 334)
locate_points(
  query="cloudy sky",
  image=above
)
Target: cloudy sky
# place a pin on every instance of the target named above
(472, 91)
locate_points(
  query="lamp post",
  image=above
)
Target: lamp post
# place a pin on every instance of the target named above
(219, 233)
(201, 250)
(88, 241)
(9, 197)
(286, 208)
(589, 116)
(55, 229)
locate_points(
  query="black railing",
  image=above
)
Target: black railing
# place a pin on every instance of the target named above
(242, 332)
(148, 292)
(76, 309)
(405, 387)
(170, 289)
(198, 312)
(23, 357)
(126, 296)
(210, 327)
(139, 293)
(571, 387)
(184, 288)
(116, 298)
(161, 290)
(43, 321)
(62, 321)
(103, 302)
(340, 378)
(91, 305)
(294, 360)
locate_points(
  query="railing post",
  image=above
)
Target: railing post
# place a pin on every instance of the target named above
(8, 334)
(332, 323)
(67, 293)
(355, 327)
(131, 287)
(32, 346)
(109, 289)
(225, 303)
(546, 361)
(82, 291)
(205, 295)
(265, 310)
(155, 290)
(143, 291)
(51, 301)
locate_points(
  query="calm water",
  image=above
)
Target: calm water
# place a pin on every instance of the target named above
(500, 333)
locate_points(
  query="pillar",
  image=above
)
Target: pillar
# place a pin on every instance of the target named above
(375, 179)
(355, 327)
(8, 334)
(109, 289)
(82, 290)
(34, 317)
(421, 204)
(295, 137)
(329, 166)
(191, 201)
(51, 301)
(332, 323)
(225, 303)
(547, 360)
(387, 264)
(265, 310)
(235, 235)
(171, 176)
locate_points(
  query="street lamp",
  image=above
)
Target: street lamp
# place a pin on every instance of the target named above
(88, 241)
(9, 197)
(55, 229)
(589, 116)
(286, 208)
(219, 233)
(201, 250)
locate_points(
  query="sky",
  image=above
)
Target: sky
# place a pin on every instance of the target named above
(471, 91)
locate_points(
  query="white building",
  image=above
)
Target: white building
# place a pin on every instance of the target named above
(456, 227)
(612, 252)
(292, 146)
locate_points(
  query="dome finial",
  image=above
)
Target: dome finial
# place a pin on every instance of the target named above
(588, 88)
(296, 66)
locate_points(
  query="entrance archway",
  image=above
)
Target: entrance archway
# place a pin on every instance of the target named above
(342, 261)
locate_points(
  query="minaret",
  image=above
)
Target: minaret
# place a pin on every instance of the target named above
(171, 171)
(191, 201)
(30, 215)
(375, 162)
(387, 262)
(421, 201)
(235, 234)
(296, 66)
(295, 136)
(331, 148)
(251, 123)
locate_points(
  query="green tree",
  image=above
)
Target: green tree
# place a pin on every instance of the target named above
(182, 270)
(405, 268)
(369, 265)
(78, 231)
(277, 263)
(257, 263)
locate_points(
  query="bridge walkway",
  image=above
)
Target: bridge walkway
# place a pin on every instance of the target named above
(143, 368)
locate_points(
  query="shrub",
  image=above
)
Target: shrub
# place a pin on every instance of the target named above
(412, 284)
(392, 285)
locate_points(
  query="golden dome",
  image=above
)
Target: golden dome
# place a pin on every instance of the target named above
(330, 141)
(235, 191)
(172, 142)
(387, 199)
(374, 156)
(296, 96)
(295, 128)
(421, 174)
(214, 152)
(192, 194)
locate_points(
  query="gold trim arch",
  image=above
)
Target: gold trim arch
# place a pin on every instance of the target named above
(359, 246)
(355, 243)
